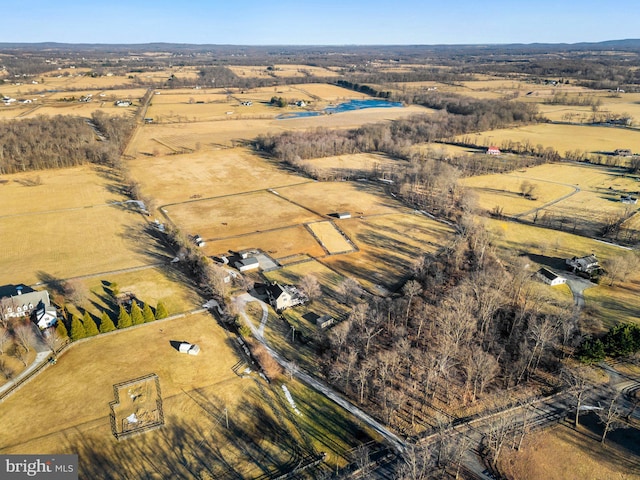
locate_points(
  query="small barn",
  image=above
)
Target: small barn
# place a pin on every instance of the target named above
(343, 215)
(549, 277)
(325, 321)
(493, 151)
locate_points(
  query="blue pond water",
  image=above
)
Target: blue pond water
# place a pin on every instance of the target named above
(342, 107)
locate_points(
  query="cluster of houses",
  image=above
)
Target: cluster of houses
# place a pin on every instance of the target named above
(22, 301)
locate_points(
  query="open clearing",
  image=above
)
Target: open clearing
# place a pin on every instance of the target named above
(229, 131)
(388, 245)
(357, 198)
(278, 244)
(504, 191)
(237, 215)
(68, 227)
(363, 164)
(584, 211)
(207, 174)
(329, 237)
(151, 285)
(197, 390)
(562, 138)
(561, 453)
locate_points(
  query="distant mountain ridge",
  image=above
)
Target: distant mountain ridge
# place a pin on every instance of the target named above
(623, 44)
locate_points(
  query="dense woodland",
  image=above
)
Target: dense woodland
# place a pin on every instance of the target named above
(62, 141)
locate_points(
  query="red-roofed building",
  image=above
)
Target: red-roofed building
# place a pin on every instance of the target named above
(493, 151)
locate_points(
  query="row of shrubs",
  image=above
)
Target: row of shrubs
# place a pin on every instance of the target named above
(77, 327)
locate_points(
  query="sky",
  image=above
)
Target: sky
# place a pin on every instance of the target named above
(324, 22)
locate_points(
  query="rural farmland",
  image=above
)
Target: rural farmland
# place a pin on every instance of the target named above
(312, 262)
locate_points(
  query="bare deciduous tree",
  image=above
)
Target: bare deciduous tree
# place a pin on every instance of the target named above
(611, 415)
(579, 381)
(76, 292)
(410, 290)
(310, 287)
(417, 463)
(350, 290)
(5, 337)
(25, 336)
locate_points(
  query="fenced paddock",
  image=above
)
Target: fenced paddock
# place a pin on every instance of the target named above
(137, 407)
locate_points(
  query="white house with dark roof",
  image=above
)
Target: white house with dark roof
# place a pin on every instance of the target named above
(29, 303)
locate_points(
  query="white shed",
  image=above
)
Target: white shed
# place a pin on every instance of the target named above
(189, 348)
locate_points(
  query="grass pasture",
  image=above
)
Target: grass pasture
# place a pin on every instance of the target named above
(206, 174)
(237, 215)
(504, 191)
(278, 244)
(363, 164)
(358, 198)
(594, 194)
(66, 227)
(150, 285)
(388, 245)
(264, 433)
(329, 237)
(564, 453)
(563, 138)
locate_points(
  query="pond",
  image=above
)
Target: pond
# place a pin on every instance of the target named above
(342, 107)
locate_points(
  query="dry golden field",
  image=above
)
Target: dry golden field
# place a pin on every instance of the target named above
(219, 218)
(358, 198)
(196, 390)
(204, 174)
(278, 244)
(364, 163)
(66, 227)
(563, 138)
(284, 70)
(84, 185)
(615, 304)
(504, 191)
(523, 239)
(561, 453)
(330, 238)
(388, 245)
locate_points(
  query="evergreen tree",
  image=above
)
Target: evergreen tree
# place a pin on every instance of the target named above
(61, 329)
(161, 311)
(124, 319)
(591, 351)
(90, 327)
(136, 314)
(77, 329)
(106, 324)
(147, 313)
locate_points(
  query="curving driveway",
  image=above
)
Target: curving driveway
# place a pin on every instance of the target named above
(577, 285)
(258, 332)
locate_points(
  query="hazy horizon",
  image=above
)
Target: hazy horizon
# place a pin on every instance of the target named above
(333, 23)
